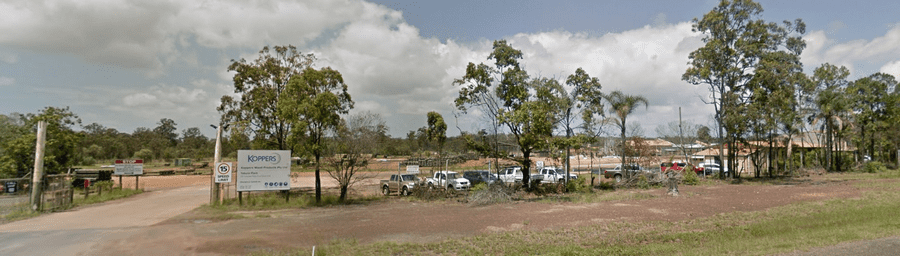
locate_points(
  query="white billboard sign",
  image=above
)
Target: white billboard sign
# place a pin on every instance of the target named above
(412, 169)
(223, 172)
(261, 170)
(129, 167)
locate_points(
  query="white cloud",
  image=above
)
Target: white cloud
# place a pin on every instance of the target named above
(861, 57)
(139, 99)
(7, 81)
(892, 68)
(150, 35)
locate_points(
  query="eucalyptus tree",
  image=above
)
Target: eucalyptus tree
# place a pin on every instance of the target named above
(437, 130)
(621, 105)
(260, 84)
(354, 139)
(830, 104)
(313, 102)
(518, 103)
(584, 99)
(60, 150)
(772, 102)
(870, 97)
(735, 40)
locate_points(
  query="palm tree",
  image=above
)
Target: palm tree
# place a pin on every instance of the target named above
(622, 105)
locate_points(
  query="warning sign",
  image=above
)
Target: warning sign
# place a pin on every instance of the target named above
(223, 172)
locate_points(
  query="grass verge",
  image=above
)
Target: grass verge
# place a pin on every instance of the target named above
(276, 200)
(777, 230)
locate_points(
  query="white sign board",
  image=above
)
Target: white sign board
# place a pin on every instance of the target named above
(412, 169)
(539, 164)
(129, 167)
(261, 170)
(223, 172)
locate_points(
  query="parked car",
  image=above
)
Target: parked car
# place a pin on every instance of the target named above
(712, 169)
(617, 174)
(449, 180)
(480, 176)
(405, 182)
(512, 174)
(551, 174)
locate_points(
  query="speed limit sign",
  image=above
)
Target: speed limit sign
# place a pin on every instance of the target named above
(223, 172)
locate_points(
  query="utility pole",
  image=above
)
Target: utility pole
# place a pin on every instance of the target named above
(38, 176)
(214, 189)
(681, 136)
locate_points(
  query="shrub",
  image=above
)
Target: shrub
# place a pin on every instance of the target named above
(578, 185)
(690, 178)
(479, 187)
(874, 167)
(606, 186)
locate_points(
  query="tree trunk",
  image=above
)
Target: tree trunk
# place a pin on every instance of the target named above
(829, 146)
(318, 181)
(343, 193)
(526, 167)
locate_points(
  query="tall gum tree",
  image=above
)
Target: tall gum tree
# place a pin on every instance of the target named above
(583, 101)
(735, 40)
(518, 100)
(313, 103)
(830, 105)
(260, 84)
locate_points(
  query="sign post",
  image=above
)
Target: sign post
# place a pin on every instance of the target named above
(133, 167)
(223, 172)
(263, 170)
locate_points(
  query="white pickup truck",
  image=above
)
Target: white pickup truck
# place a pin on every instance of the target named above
(512, 174)
(551, 175)
(449, 180)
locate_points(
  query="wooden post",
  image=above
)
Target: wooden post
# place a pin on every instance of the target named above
(214, 190)
(240, 198)
(38, 174)
(120, 182)
(136, 182)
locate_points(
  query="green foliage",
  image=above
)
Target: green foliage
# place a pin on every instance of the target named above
(606, 185)
(528, 108)
(578, 185)
(259, 84)
(690, 177)
(145, 154)
(479, 187)
(874, 167)
(60, 150)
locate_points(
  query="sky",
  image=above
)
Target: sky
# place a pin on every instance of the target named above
(128, 64)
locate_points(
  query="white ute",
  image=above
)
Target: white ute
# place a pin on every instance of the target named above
(449, 180)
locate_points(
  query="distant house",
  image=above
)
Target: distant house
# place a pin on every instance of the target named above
(742, 159)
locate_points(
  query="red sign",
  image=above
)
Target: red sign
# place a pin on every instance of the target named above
(130, 161)
(87, 183)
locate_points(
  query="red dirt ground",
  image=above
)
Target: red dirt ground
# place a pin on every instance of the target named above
(403, 220)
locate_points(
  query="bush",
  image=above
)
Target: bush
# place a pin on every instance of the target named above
(690, 178)
(874, 167)
(606, 186)
(479, 187)
(578, 185)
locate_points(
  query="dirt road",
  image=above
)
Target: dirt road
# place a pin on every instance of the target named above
(79, 231)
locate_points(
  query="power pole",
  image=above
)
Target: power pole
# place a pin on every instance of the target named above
(38, 176)
(214, 190)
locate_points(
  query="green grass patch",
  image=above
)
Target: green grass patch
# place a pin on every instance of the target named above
(108, 194)
(18, 211)
(777, 230)
(276, 201)
(595, 197)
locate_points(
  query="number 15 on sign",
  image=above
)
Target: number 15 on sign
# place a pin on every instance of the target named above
(223, 172)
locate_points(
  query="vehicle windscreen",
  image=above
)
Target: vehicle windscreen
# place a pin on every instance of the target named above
(409, 177)
(451, 176)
